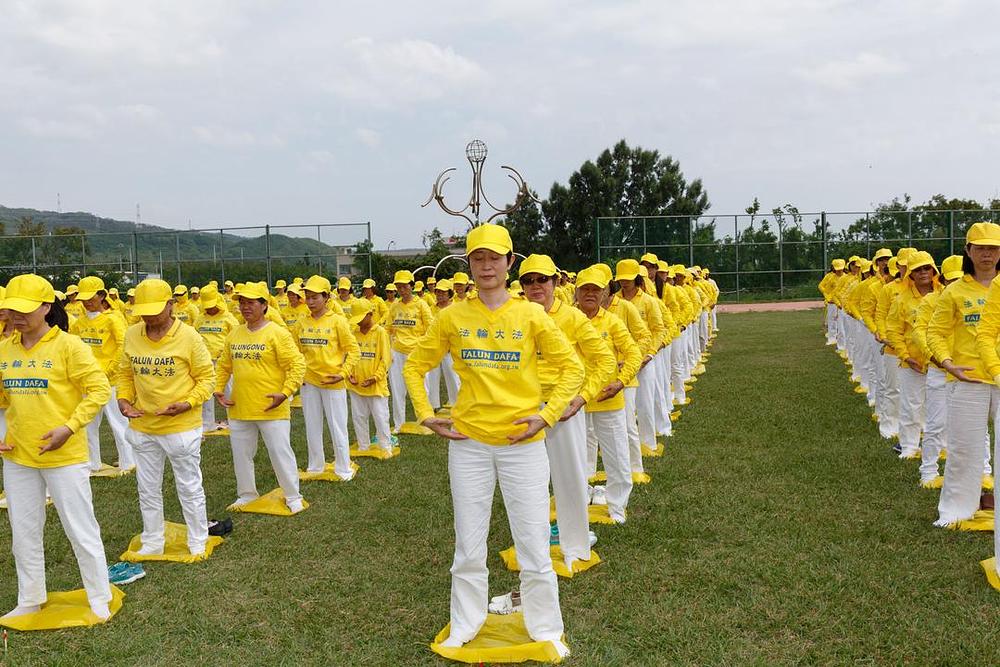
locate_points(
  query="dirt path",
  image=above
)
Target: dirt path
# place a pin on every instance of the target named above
(764, 307)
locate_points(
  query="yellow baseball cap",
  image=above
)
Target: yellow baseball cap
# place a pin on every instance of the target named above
(419, 285)
(151, 297)
(491, 237)
(26, 292)
(919, 260)
(541, 264)
(893, 267)
(460, 278)
(593, 275)
(88, 287)
(72, 289)
(130, 292)
(866, 265)
(880, 253)
(252, 291)
(280, 283)
(296, 289)
(403, 276)
(838, 264)
(319, 284)
(431, 280)
(391, 287)
(627, 269)
(661, 265)
(359, 310)
(180, 290)
(194, 290)
(368, 283)
(649, 258)
(343, 283)
(113, 290)
(983, 233)
(903, 256)
(951, 267)
(605, 271)
(443, 285)
(210, 297)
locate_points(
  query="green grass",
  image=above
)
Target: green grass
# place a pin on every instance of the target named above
(778, 529)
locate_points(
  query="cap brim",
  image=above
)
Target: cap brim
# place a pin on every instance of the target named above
(495, 247)
(84, 296)
(626, 276)
(989, 242)
(148, 309)
(214, 303)
(20, 305)
(953, 275)
(356, 319)
(591, 282)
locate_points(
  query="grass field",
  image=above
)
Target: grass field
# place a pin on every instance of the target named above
(778, 529)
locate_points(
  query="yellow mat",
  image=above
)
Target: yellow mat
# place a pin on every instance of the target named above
(675, 415)
(595, 513)
(509, 557)
(501, 639)
(699, 370)
(375, 452)
(990, 568)
(272, 502)
(875, 418)
(860, 390)
(935, 483)
(328, 475)
(982, 520)
(296, 401)
(988, 482)
(217, 433)
(112, 471)
(637, 477)
(647, 451)
(68, 609)
(413, 428)
(680, 404)
(943, 455)
(175, 548)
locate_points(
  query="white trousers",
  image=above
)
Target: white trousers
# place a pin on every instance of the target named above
(474, 468)
(451, 381)
(609, 429)
(631, 431)
(566, 446)
(831, 323)
(318, 402)
(970, 407)
(694, 353)
(677, 371)
(277, 440)
(432, 385)
(663, 399)
(118, 424)
(646, 405)
(703, 331)
(715, 320)
(376, 407)
(889, 415)
(912, 395)
(70, 490)
(397, 389)
(935, 423)
(184, 452)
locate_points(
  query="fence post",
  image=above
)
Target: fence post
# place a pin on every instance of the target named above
(909, 228)
(83, 253)
(34, 261)
(868, 232)
(222, 259)
(267, 251)
(645, 249)
(177, 245)
(822, 222)
(135, 257)
(597, 237)
(781, 261)
(318, 240)
(736, 228)
(690, 241)
(370, 248)
(951, 232)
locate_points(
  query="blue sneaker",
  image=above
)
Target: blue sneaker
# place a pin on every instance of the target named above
(554, 534)
(897, 448)
(125, 573)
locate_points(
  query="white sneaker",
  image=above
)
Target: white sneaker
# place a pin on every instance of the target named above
(240, 502)
(22, 610)
(452, 642)
(295, 506)
(505, 604)
(600, 496)
(150, 550)
(593, 538)
(101, 611)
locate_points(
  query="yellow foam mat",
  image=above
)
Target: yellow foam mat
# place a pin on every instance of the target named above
(296, 401)
(699, 370)
(990, 568)
(637, 477)
(112, 471)
(272, 502)
(875, 418)
(175, 548)
(982, 520)
(509, 557)
(67, 609)
(502, 639)
(860, 390)
(988, 482)
(375, 452)
(935, 483)
(217, 433)
(943, 455)
(648, 451)
(595, 513)
(675, 415)
(413, 428)
(680, 404)
(328, 475)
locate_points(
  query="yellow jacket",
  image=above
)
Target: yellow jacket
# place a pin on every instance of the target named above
(329, 348)
(987, 332)
(620, 343)
(885, 299)
(952, 330)
(186, 311)
(56, 382)
(380, 311)
(105, 335)
(408, 322)
(261, 362)
(154, 374)
(214, 330)
(630, 317)
(900, 324)
(650, 313)
(868, 302)
(495, 354)
(373, 362)
(923, 318)
(291, 315)
(600, 366)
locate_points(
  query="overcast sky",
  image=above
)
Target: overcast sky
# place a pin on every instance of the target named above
(246, 112)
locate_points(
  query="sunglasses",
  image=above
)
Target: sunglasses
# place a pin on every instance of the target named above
(540, 280)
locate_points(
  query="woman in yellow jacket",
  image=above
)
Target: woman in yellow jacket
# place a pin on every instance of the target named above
(953, 337)
(900, 327)
(267, 369)
(934, 438)
(54, 387)
(331, 353)
(214, 325)
(888, 411)
(103, 329)
(826, 287)
(379, 309)
(295, 307)
(368, 385)
(663, 396)
(496, 433)
(443, 294)
(606, 414)
(409, 319)
(566, 441)
(165, 376)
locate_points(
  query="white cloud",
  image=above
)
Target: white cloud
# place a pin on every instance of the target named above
(225, 137)
(849, 74)
(368, 137)
(47, 128)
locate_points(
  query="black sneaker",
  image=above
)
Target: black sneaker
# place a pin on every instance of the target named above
(220, 528)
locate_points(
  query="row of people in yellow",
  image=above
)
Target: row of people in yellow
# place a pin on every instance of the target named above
(921, 343)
